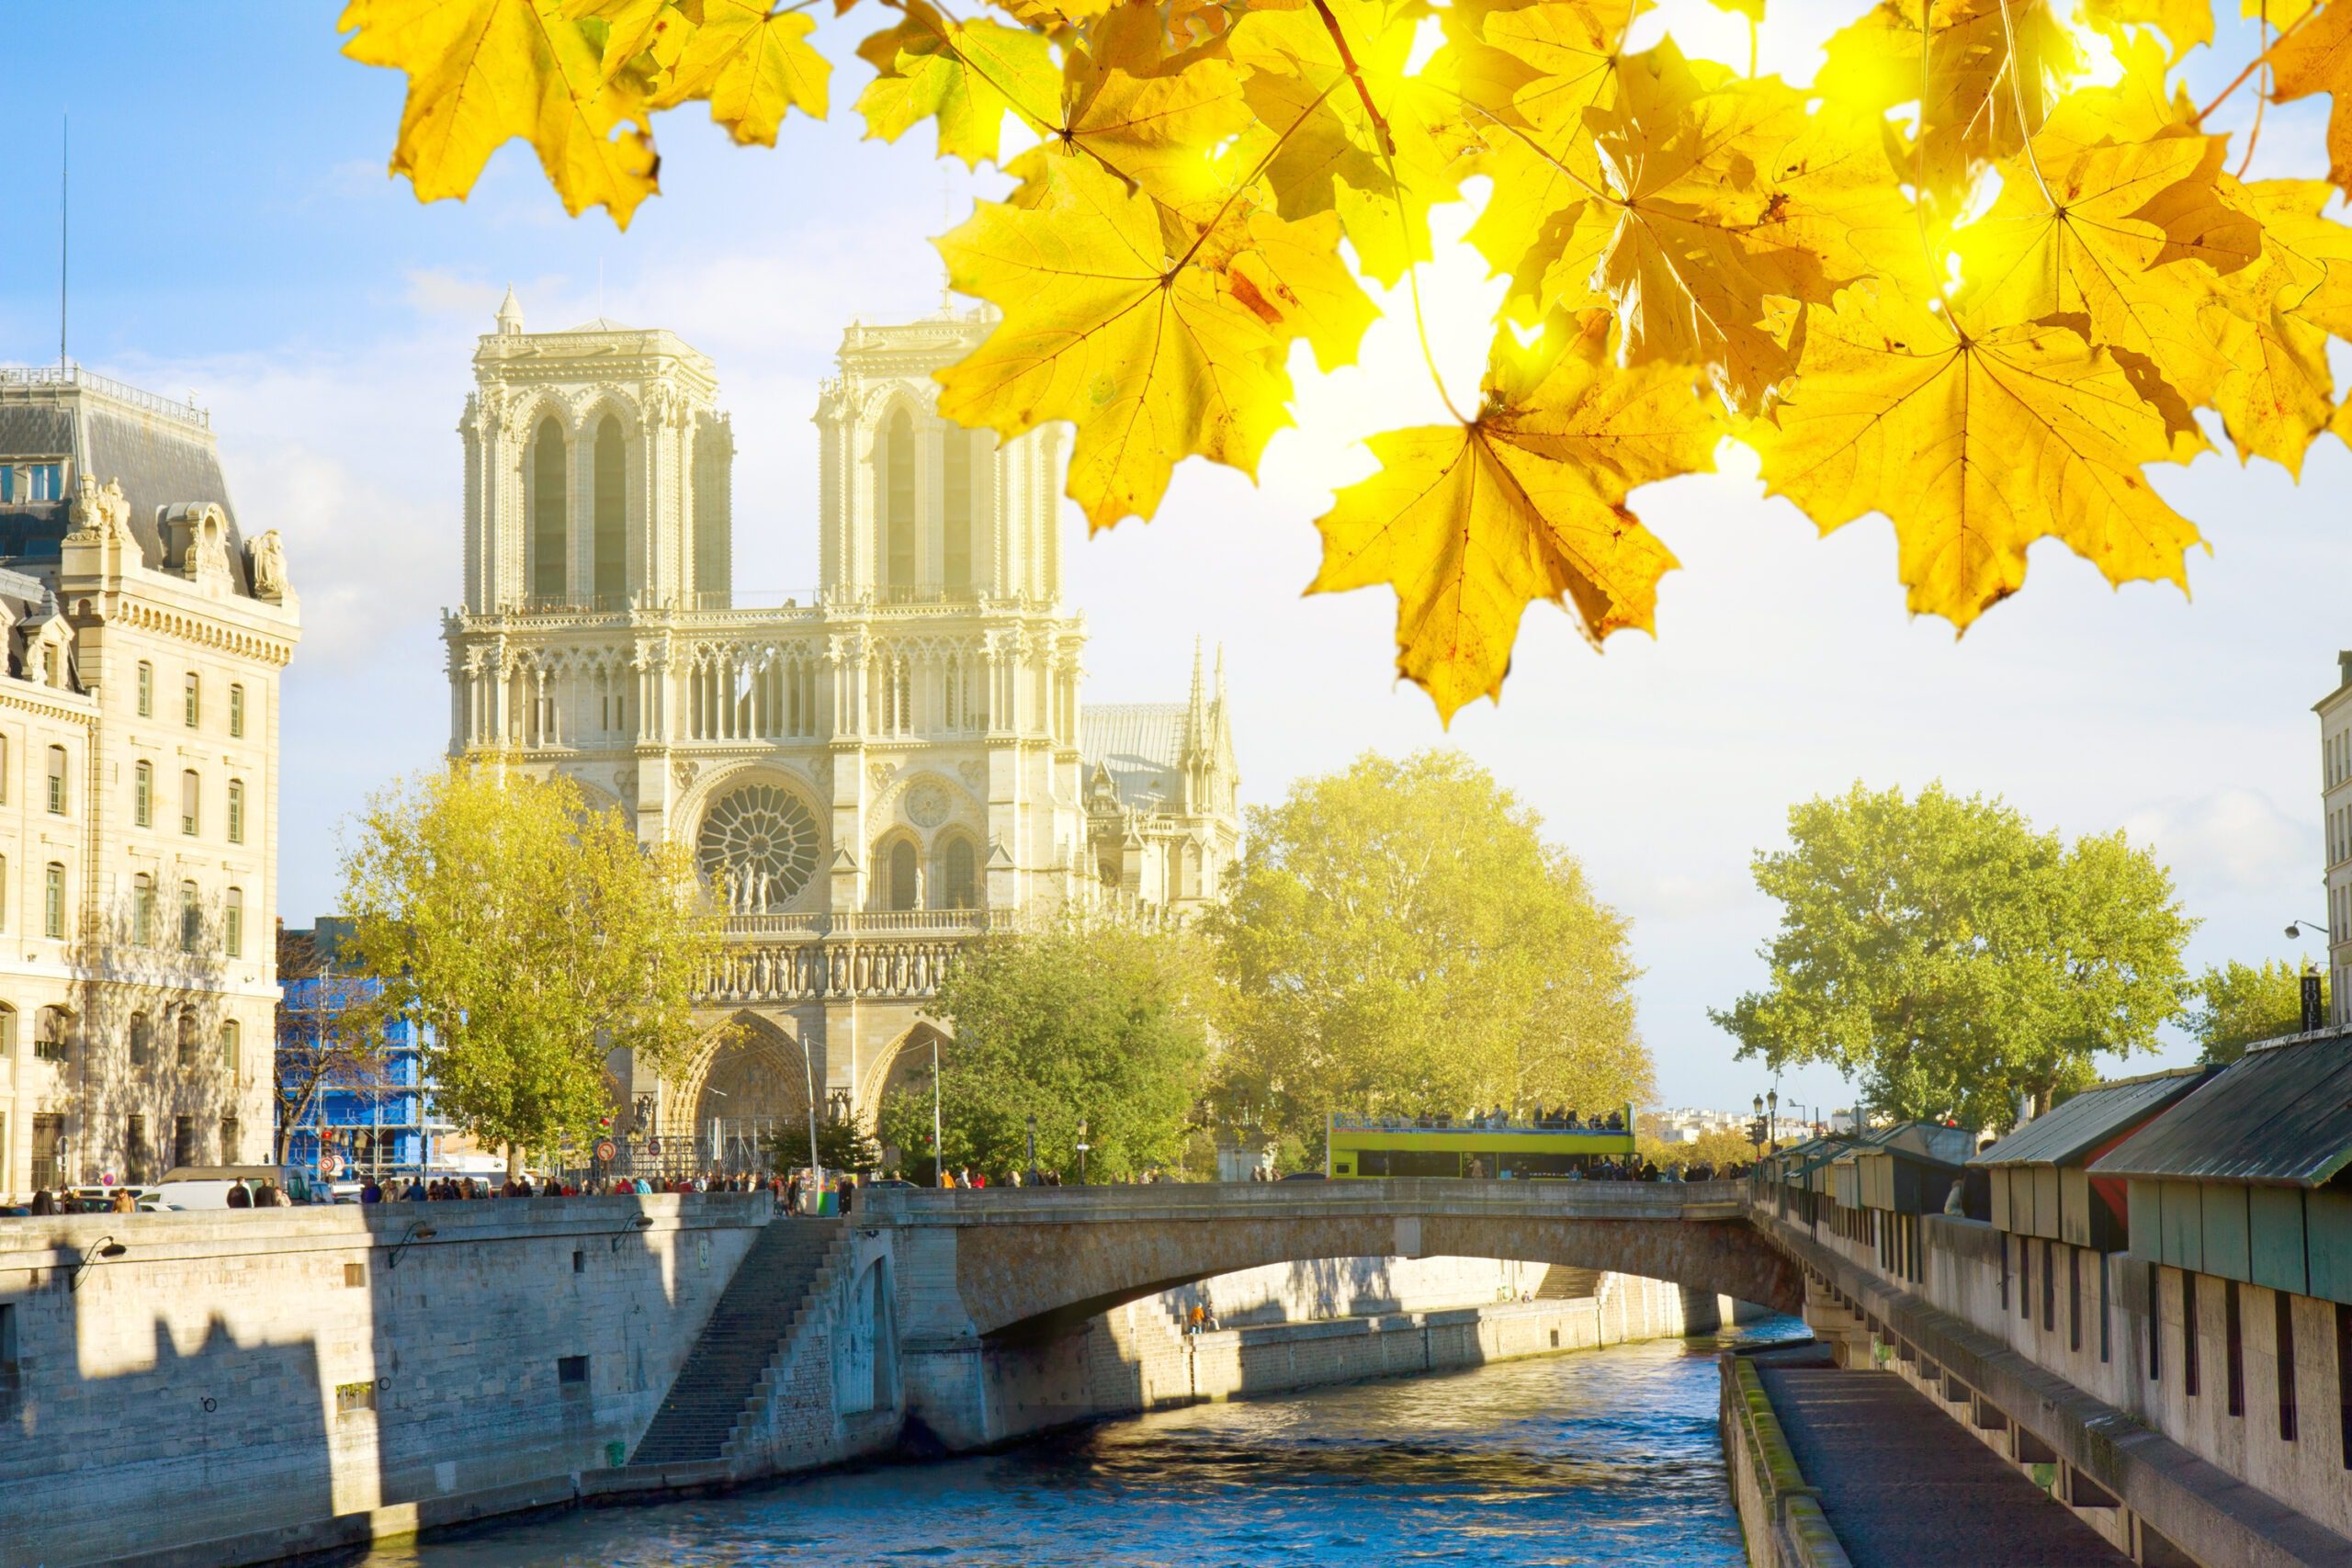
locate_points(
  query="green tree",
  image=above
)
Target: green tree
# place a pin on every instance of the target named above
(1953, 959)
(2237, 1004)
(533, 935)
(1399, 937)
(1096, 1021)
(841, 1145)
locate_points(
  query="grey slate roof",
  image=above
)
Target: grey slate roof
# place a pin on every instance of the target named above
(2279, 1116)
(2091, 1118)
(1142, 744)
(162, 460)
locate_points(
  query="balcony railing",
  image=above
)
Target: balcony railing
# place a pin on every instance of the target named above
(30, 375)
(867, 922)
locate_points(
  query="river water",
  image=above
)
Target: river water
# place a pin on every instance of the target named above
(1605, 1458)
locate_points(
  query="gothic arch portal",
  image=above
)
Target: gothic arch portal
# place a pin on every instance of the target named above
(902, 1059)
(748, 1073)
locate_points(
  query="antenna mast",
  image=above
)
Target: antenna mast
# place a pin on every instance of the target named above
(64, 159)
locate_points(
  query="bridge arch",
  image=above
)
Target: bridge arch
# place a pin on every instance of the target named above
(1034, 1265)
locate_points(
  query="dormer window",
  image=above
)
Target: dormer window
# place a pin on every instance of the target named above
(25, 482)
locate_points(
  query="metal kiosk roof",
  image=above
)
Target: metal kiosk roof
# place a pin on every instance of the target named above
(2279, 1116)
(2071, 1131)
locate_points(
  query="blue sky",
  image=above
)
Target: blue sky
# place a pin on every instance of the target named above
(234, 233)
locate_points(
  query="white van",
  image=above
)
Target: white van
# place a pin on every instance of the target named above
(207, 1186)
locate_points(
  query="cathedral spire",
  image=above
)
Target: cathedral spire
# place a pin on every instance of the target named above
(510, 315)
(1196, 713)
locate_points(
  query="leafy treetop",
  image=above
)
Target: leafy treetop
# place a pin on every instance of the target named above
(1202, 182)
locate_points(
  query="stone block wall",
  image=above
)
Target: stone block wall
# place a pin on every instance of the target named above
(279, 1379)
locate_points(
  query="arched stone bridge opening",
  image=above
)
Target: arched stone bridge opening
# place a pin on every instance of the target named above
(1031, 1263)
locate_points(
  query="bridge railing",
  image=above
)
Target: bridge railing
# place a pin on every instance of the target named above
(1254, 1199)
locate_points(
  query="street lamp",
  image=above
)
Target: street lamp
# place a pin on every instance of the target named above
(1033, 1149)
(2295, 929)
(1082, 1151)
(1758, 1128)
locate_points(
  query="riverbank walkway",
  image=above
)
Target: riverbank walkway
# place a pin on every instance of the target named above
(1905, 1486)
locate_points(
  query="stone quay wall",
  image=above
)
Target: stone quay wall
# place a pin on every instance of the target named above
(240, 1385)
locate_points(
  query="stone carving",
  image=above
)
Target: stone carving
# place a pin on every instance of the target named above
(266, 556)
(684, 770)
(820, 768)
(975, 775)
(882, 773)
(99, 512)
(927, 804)
(625, 785)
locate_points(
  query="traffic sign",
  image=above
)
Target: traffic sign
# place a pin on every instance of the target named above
(604, 1150)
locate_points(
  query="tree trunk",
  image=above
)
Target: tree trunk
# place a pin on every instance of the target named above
(514, 1160)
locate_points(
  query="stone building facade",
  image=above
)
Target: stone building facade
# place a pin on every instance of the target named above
(871, 773)
(139, 714)
(2334, 712)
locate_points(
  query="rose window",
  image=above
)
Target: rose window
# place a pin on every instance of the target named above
(758, 848)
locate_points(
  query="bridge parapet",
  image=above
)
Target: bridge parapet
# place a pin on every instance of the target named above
(1250, 1201)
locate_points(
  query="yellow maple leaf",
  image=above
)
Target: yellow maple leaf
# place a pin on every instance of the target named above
(482, 73)
(1973, 443)
(2128, 241)
(1994, 69)
(1153, 355)
(1558, 58)
(752, 65)
(2318, 59)
(1472, 523)
(2271, 321)
(966, 74)
(1152, 118)
(1719, 199)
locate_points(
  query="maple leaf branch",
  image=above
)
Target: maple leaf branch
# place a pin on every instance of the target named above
(2259, 62)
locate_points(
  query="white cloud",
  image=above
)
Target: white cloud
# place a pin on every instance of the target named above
(2228, 840)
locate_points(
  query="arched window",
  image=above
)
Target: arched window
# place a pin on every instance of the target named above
(191, 792)
(57, 780)
(612, 511)
(232, 924)
(191, 918)
(142, 1040)
(549, 512)
(236, 811)
(50, 1034)
(899, 512)
(7, 1033)
(142, 910)
(146, 690)
(52, 902)
(902, 875)
(186, 1053)
(961, 892)
(142, 795)
(236, 713)
(233, 1039)
(955, 484)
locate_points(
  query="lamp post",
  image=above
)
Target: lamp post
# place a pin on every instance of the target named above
(938, 1155)
(1033, 1149)
(2295, 929)
(1082, 1151)
(1758, 1129)
(1771, 1115)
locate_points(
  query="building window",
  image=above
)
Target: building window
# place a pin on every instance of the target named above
(186, 1053)
(146, 690)
(52, 912)
(956, 478)
(960, 891)
(233, 1039)
(134, 1150)
(232, 924)
(612, 512)
(230, 1139)
(902, 875)
(191, 797)
(142, 1040)
(898, 509)
(2282, 1311)
(183, 1140)
(142, 910)
(49, 1137)
(2234, 1348)
(236, 811)
(236, 713)
(549, 513)
(142, 795)
(191, 918)
(57, 781)
(194, 699)
(8, 1042)
(49, 1035)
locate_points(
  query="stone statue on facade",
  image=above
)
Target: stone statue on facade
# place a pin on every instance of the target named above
(266, 556)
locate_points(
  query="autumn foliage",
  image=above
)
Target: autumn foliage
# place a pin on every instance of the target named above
(1976, 278)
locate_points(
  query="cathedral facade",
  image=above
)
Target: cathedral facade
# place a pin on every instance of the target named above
(870, 775)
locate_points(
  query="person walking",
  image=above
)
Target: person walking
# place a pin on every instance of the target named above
(124, 1204)
(848, 1191)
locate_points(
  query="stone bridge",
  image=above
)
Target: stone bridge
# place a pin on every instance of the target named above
(1023, 1263)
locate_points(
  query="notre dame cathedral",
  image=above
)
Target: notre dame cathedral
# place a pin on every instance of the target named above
(893, 768)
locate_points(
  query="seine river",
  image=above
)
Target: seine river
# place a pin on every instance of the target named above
(1607, 1458)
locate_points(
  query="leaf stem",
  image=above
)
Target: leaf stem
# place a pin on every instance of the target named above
(2260, 60)
(2262, 99)
(2017, 97)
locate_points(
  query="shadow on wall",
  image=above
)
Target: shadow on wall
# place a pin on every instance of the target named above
(172, 1445)
(1314, 1290)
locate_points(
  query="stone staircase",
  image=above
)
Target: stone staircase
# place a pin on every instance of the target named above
(728, 1367)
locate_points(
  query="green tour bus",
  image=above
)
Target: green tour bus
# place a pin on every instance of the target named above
(1493, 1147)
